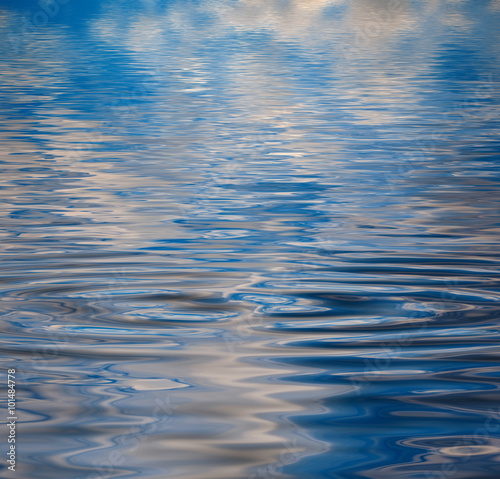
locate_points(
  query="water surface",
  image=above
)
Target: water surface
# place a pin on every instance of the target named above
(252, 239)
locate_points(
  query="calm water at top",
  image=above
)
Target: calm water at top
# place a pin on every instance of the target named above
(251, 239)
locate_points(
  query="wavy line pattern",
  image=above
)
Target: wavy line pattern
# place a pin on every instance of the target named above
(252, 239)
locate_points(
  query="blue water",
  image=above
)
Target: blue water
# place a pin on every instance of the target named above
(251, 239)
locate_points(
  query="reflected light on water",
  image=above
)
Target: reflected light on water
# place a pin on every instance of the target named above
(252, 239)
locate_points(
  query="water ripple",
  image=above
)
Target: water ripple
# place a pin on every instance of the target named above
(251, 239)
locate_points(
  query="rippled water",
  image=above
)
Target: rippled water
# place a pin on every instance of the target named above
(252, 239)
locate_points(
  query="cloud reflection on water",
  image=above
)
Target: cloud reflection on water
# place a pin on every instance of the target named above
(274, 218)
